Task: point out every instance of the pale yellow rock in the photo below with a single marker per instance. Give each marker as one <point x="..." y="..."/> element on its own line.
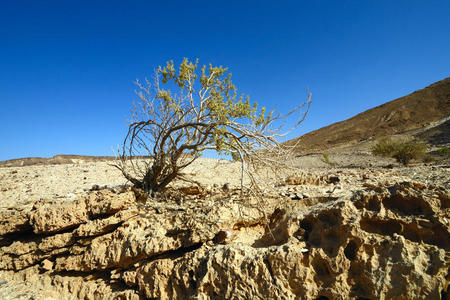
<point x="106" y="202"/>
<point x="55" y="216"/>
<point x="46" y="265"/>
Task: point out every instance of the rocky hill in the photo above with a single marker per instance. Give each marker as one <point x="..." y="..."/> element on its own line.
<point x="411" y="112"/>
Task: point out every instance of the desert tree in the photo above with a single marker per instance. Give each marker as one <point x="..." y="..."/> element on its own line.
<point x="187" y="110"/>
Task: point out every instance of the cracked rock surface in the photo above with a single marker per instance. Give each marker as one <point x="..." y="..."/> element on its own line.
<point x="334" y="234"/>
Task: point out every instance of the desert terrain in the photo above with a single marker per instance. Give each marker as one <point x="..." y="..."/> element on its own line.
<point x="76" y="231"/>
<point x="356" y="226"/>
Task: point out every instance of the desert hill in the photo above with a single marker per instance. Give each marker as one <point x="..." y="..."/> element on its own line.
<point x="411" y="112"/>
<point x="55" y="160"/>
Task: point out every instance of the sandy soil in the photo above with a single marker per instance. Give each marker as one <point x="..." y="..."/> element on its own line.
<point x="22" y="185"/>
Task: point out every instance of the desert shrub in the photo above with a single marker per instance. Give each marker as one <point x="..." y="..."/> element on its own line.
<point x="402" y="150"/>
<point x="188" y="110"/>
<point x="444" y="151"/>
<point x="385" y="147"/>
<point x="326" y="158"/>
<point x="409" y="150"/>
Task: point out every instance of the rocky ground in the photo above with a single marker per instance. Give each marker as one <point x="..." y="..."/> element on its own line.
<point x="359" y="228"/>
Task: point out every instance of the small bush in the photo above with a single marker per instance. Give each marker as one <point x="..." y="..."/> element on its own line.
<point x="402" y="151"/>
<point x="444" y="151"/>
<point x="385" y="147"/>
<point x="326" y="158"/>
<point x="408" y="151"/>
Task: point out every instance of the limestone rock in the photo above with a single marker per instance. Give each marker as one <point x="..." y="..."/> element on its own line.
<point x="56" y="216"/>
<point x="56" y="241"/>
<point x="106" y="202"/>
<point x="14" y="220"/>
<point x="378" y="241"/>
<point x="46" y="265"/>
<point x="102" y="226"/>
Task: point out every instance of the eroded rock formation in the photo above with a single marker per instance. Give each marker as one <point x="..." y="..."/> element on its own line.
<point x="377" y="242"/>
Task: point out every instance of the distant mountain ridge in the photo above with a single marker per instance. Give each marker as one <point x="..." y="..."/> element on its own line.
<point x="55" y="160"/>
<point x="410" y="112"/>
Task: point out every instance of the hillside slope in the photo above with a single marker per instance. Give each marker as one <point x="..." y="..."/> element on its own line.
<point x="410" y="112"/>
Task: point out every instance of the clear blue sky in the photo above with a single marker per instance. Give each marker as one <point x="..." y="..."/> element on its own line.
<point x="67" y="67"/>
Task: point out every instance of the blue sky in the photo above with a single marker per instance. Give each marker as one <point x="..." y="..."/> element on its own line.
<point x="67" y="67"/>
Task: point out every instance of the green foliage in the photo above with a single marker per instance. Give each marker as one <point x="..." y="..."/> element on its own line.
<point x="385" y="147"/>
<point x="408" y="151"/>
<point x="402" y="151"/>
<point x="326" y="158"/>
<point x="217" y="104"/>
<point x="444" y="151"/>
